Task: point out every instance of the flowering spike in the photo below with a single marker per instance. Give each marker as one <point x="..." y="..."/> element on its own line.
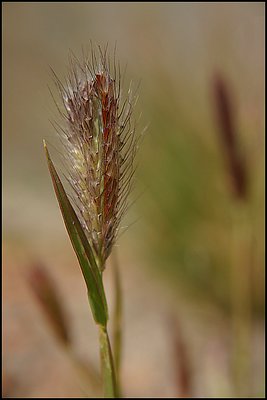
<point x="100" y="146"/>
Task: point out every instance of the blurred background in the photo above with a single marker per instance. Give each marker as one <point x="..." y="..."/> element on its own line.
<point x="192" y="264"/>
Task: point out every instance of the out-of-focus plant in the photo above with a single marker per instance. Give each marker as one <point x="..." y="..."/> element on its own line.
<point x="240" y="282"/>
<point x="208" y="202"/>
<point x="181" y="361"/>
<point x="229" y="139"/>
<point x="45" y="292"/>
<point x="190" y="201"/>
<point x="99" y="142"/>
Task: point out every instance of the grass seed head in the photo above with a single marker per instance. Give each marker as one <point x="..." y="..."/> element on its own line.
<point x="45" y="292"/>
<point x="100" y="143"/>
<point x="229" y="137"/>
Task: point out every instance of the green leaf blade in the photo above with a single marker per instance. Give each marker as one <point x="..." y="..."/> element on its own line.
<point x="82" y="248"/>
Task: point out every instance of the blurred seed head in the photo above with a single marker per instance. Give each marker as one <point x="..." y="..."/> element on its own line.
<point x="46" y="294"/>
<point x="100" y="142"/>
<point x="182" y="369"/>
<point x="229" y="136"/>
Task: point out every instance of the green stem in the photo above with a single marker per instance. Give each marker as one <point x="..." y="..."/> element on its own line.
<point x="117" y="318"/>
<point x="107" y="365"/>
